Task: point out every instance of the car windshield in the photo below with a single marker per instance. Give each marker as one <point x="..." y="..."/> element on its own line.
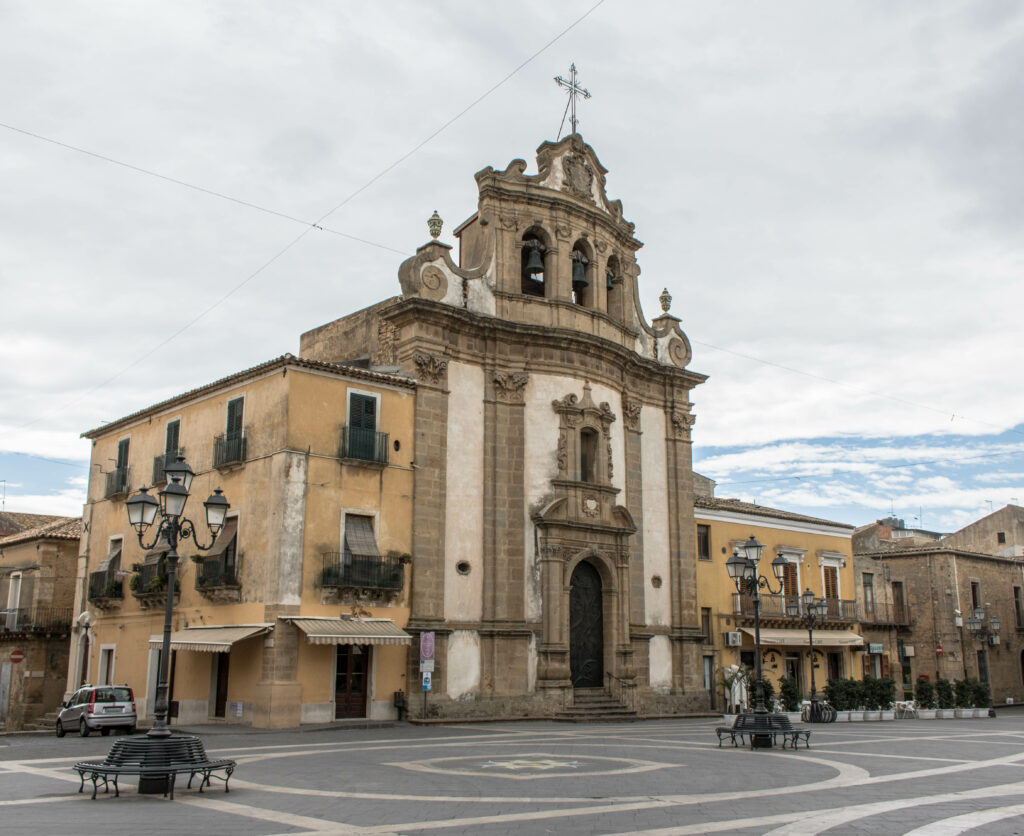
<point x="113" y="695"/>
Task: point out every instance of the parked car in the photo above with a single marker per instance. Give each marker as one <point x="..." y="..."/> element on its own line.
<point x="98" y="707"/>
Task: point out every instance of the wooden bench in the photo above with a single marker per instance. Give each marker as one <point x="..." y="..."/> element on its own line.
<point x="776" y="725"/>
<point x="154" y="758"/>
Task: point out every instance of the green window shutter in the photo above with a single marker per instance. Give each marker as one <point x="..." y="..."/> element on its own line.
<point x="234" y="428"/>
<point x="122" y="454"/>
<point x="171" y="445"/>
<point x="362" y="412"/>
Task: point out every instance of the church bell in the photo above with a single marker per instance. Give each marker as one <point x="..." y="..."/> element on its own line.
<point x="579" y="272"/>
<point x="534" y="262"/>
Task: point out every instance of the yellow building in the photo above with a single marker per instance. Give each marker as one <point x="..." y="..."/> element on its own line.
<point x="295" y="613"/>
<point x="818" y="557"/>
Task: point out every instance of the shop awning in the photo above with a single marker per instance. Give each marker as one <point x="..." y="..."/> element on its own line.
<point x="212" y="639"/>
<point x="798" y="638"/>
<point x="351" y="631"/>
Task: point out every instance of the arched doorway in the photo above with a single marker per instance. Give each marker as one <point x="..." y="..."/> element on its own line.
<point x="586" y="628"/>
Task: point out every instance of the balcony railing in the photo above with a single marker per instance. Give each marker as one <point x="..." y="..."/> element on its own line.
<point x="341" y="569"/>
<point x="775" y="607"/>
<point x="215" y="573"/>
<point x="366" y="445"/>
<point x="160" y="464"/>
<point x="229" y="449"/>
<point x="39" y="620"/>
<point x="117" y="482"/>
<point x="149" y="578"/>
<point x="103" y="585"/>
<point x="882" y="612"/>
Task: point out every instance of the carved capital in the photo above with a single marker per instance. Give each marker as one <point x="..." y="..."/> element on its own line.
<point x="682" y="423"/>
<point x="429" y="367"/>
<point x="509" y="386"/>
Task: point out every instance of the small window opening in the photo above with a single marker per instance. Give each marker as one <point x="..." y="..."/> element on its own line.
<point x="1000" y="537"/>
<point x="588" y="455"/>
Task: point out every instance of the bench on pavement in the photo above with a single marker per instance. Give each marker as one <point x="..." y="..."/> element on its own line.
<point x="776" y="725"/>
<point x="162" y="759"/>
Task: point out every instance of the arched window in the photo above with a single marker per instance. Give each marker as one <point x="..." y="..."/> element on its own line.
<point x="532" y="265"/>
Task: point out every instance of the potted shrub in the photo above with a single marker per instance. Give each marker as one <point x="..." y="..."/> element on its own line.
<point x="980" y="697"/>
<point x="789" y="693"/>
<point x="871" y="698"/>
<point x="944" y="694"/>
<point x="963" y="695"/>
<point x="924" y="693"/>
<point x="886" y="696"/>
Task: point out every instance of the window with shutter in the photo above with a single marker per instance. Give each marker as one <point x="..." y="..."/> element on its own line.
<point x="171" y="441"/>
<point x="234" y="425"/>
<point x="362" y="427"/>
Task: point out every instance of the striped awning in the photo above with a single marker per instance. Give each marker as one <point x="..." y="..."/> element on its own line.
<point x="351" y="631"/>
<point x="212" y="639"/>
<point x="798" y="638"/>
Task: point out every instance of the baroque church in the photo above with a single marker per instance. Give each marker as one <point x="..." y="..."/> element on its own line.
<point x="553" y="537"/>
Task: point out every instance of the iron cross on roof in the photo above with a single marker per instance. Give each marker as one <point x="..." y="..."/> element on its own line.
<point x="573" y="89"/>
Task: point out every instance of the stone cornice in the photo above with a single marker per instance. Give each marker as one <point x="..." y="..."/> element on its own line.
<point x="631" y="365"/>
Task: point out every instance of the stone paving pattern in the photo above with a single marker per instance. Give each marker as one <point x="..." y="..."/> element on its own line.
<point x="928" y="778"/>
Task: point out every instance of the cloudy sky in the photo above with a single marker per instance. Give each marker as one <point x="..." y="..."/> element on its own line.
<point x="832" y="192"/>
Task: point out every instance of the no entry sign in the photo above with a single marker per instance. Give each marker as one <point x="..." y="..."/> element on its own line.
<point x="17" y="655"/>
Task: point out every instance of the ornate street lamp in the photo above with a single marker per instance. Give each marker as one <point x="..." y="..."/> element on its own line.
<point x="744" y="573"/>
<point x="986" y="634"/>
<point x="142" y="512"/>
<point x="812" y="612"/>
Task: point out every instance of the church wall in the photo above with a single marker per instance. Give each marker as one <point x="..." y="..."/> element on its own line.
<point x="660" y="653"/>
<point x="463" y="668"/>
<point x="657" y="602"/>
<point x="463" y="593"/>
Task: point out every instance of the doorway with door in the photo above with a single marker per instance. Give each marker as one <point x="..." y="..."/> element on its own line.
<point x="351" y="678"/>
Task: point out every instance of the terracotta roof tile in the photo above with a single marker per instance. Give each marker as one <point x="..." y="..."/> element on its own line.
<point x="58" y="528"/>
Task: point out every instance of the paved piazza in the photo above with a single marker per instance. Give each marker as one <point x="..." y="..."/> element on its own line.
<point x="926" y="777"/>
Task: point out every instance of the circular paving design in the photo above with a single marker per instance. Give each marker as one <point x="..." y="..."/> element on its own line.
<point x="524" y="766"/>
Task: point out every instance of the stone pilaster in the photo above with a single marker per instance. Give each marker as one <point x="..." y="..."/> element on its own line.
<point x="429" y="488"/>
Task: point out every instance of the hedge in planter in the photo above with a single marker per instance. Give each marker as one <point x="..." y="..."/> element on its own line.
<point x="789" y="693"/>
<point x="924" y="693"/>
<point x="944" y="692"/>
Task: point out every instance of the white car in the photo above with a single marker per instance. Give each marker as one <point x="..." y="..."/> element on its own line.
<point x="98" y="708"/>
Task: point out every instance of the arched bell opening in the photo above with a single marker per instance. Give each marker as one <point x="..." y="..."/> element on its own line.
<point x="613" y="285"/>
<point x="532" y="263"/>
<point x="583" y="274"/>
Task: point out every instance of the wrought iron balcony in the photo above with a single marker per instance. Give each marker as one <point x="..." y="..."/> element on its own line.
<point x="161" y="462"/>
<point x="39" y="620"/>
<point x="104" y="585"/>
<point x="365" y="445"/>
<point x="215" y="573"/>
<point x="117" y="482"/>
<point x="776" y="607"/>
<point x="882" y="612"/>
<point x="229" y="449"/>
<point x="344" y="569"/>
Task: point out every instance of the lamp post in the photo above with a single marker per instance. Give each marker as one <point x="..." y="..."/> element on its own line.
<point x="986" y="634"/>
<point x="173" y="526"/>
<point x="744" y="573"/>
<point x="814" y="612"/>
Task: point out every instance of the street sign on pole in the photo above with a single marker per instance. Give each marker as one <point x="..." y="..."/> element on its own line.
<point x="17" y="656"/>
<point x="427" y="645"/>
<point x="426" y="680"/>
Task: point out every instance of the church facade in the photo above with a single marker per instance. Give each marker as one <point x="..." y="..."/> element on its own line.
<point x="553" y="536"/>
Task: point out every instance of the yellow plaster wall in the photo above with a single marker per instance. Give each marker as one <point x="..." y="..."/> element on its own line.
<point x="715" y="589"/>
